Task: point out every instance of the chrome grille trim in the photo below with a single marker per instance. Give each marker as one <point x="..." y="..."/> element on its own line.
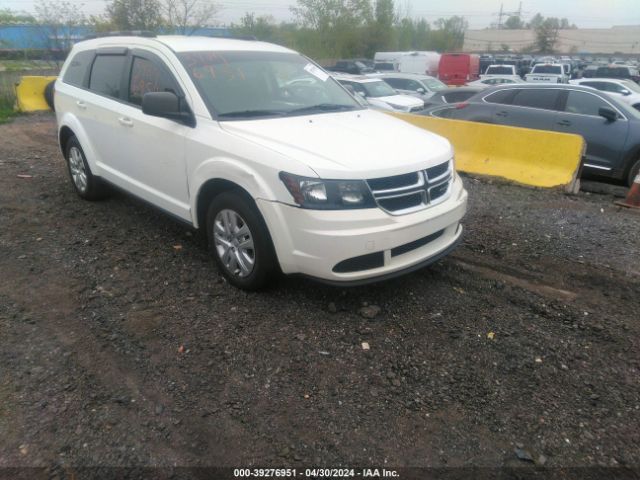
<point x="423" y="187"/>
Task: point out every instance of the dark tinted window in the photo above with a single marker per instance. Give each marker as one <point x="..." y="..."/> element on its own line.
<point x="584" y="103"/>
<point x="106" y="75"/>
<point x="444" y="112"/>
<point x="500" y="70"/>
<point x="147" y="77"/>
<point x="501" y="96"/>
<point x="613" y="72"/>
<point x="536" y="98"/>
<point x="400" y="83"/>
<point x="455" y="97"/>
<point x="77" y="69"/>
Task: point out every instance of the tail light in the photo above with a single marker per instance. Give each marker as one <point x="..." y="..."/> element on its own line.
<point x="461" y="105"/>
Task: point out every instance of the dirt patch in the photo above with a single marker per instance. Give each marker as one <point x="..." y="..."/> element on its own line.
<point x="121" y="350"/>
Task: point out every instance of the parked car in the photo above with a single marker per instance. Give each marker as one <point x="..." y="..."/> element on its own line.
<point x="459" y="68"/>
<point x="354" y="67"/>
<point x="590" y="71"/>
<point x="610" y="127"/>
<point x="208" y="130"/>
<point x="547" y="73"/>
<point x="626" y="91"/>
<point x="421" y="63"/>
<point x="452" y="95"/>
<point x="619" y="71"/>
<point x="492" y="81"/>
<point x="419" y="86"/>
<point x="379" y="94"/>
<point x="502" y="71"/>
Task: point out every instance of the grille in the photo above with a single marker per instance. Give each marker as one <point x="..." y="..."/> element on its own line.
<point x="411" y="192"/>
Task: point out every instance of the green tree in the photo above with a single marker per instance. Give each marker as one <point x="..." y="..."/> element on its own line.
<point x="514" y="23"/>
<point x="547" y="35"/>
<point x="9" y="17"/>
<point x="134" y="15"/>
<point x="338" y="27"/>
<point x="186" y="16"/>
<point x="57" y="20"/>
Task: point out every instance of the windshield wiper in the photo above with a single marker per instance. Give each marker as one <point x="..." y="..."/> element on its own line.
<point x="251" y="113"/>
<point x="322" y="107"/>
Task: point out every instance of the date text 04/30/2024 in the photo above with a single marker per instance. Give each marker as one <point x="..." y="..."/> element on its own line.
<point x="314" y="473"/>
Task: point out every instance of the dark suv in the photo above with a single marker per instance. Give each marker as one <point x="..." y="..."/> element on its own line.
<point x="610" y="128"/>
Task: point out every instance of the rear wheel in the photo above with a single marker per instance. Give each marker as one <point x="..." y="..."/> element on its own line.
<point x="49" y="93"/>
<point x="240" y="241"/>
<point x="86" y="185"/>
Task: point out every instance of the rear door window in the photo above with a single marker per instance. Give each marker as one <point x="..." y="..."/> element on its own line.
<point x="76" y="72"/>
<point x="147" y="76"/>
<point x="106" y="75"/>
<point x="545" y="99"/>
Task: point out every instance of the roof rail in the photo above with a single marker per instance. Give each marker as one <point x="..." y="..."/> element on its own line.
<point x="128" y="33"/>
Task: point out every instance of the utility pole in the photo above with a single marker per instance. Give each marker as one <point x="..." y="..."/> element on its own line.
<point x="500" y="17"/>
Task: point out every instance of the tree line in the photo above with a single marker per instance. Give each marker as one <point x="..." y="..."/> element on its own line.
<point x="324" y="29"/>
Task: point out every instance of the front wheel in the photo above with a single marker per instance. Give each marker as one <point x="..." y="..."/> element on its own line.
<point x="240" y="241"/>
<point x="86" y="184"/>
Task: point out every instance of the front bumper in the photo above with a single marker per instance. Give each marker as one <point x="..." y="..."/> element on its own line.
<point x="319" y="243"/>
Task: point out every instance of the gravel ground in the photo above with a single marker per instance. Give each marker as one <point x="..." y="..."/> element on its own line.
<point x="123" y="346"/>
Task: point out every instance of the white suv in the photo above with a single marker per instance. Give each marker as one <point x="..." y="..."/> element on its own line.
<point x="261" y="148"/>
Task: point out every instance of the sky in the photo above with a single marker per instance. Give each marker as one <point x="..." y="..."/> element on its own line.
<point x="479" y="13"/>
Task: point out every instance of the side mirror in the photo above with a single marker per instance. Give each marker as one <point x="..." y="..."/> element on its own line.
<point x="625" y="92"/>
<point x="166" y="105"/>
<point x="421" y="90"/>
<point x="609" y="114"/>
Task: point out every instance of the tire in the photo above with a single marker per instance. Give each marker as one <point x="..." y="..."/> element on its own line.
<point x="49" y="92"/>
<point x="233" y="220"/>
<point x="633" y="172"/>
<point x="86" y="185"/>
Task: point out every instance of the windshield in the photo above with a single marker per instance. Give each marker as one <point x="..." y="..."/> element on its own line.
<point x="500" y="70"/>
<point x="434" y="85"/>
<point x="631" y="85"/>
<point x="616" y="72"/>
<point x="555" y="69"/>
<point x="250" y="84"/>
<point x="378" y="89"/>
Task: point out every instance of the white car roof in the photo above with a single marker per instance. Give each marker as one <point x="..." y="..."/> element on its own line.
<point x="183" y="43"/>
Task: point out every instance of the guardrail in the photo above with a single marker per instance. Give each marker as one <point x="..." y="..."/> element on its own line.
<point x="30" y="93"/>
<point x="537" y="158"/>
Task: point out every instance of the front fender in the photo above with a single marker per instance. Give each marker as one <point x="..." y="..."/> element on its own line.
<point x="230" y="170"/>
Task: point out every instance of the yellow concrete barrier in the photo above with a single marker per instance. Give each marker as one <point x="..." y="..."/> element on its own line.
<point x="30" y="93"/>
<point x="531" y="157"/>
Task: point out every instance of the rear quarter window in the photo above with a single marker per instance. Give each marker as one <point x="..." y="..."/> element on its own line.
<point x="76" y="72"/>
<point x="503" y="97"/>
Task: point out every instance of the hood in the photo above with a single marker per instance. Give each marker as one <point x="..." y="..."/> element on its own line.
<point x="406" y="101"/>
<point x="347" y="145"/>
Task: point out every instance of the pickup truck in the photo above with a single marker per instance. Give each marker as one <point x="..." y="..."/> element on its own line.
<point x="503" y="71"/>
<point x="547" y="73"/>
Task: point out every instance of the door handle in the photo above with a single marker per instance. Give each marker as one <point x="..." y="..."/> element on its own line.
<point x="81" y="105"/>
<point x="502" y="114"/>
<point x="564" y="123"/>
<point x="127" y="122"/>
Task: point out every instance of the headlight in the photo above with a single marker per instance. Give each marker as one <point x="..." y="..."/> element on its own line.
<point x="321" y="194"/>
